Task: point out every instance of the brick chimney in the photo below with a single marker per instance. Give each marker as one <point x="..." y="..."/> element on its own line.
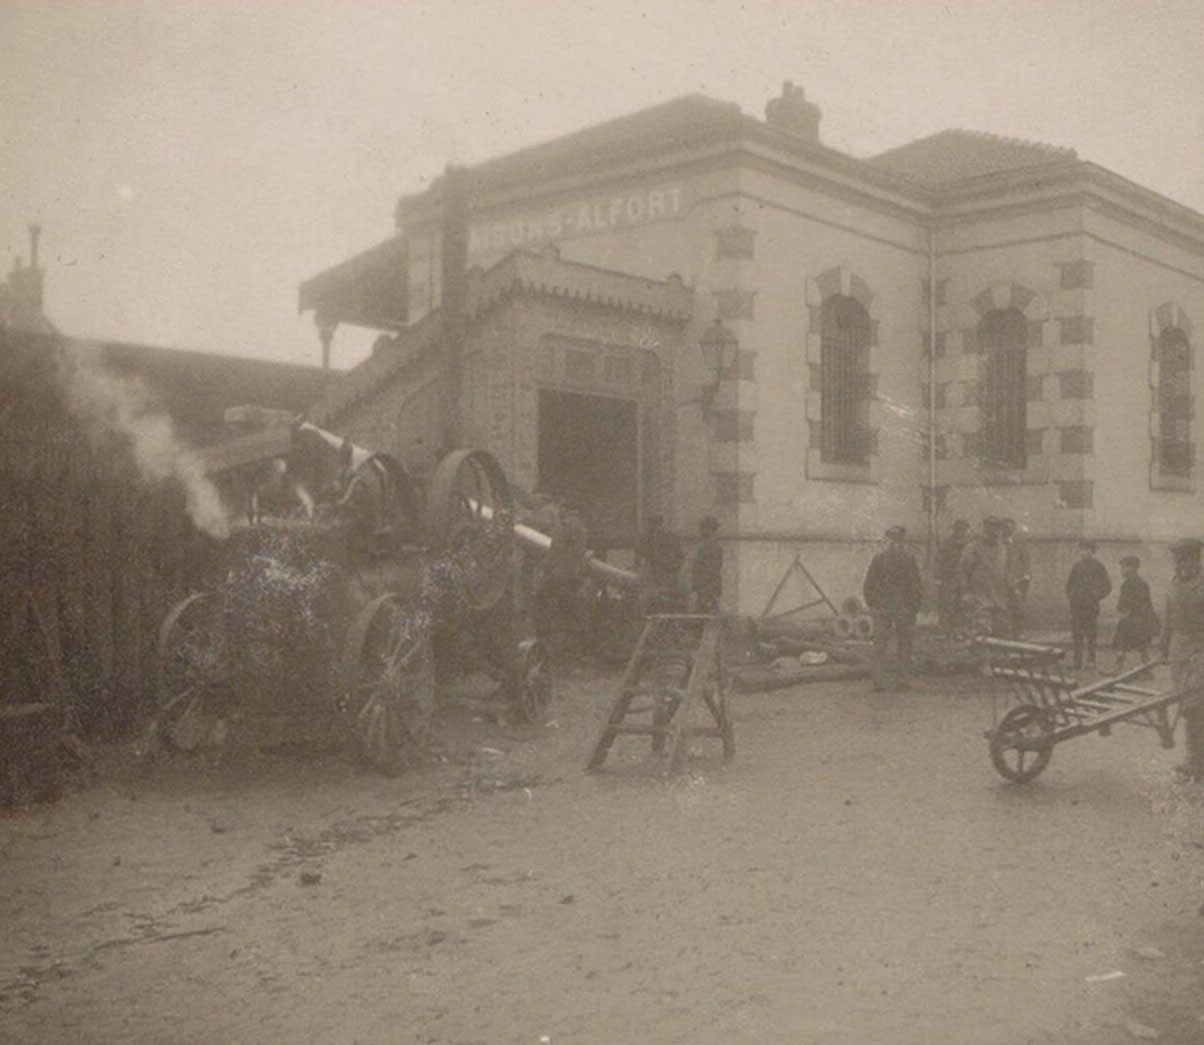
<point x="792" y="113"/>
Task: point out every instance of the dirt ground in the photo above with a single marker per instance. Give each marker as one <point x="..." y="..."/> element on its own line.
<point x="858" y="874"/>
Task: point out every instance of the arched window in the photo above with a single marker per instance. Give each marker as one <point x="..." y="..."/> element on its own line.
<point x="1003" y="339"/>
<point x="1174" y="402"/>
<point x="844" y="365"/>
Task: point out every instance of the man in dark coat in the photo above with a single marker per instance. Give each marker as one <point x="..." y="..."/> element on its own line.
<point x="1138" y="624"/>
<point x="948" y="575"/>
<point x="706" y="568"/>
<point x="892" y="591"/>
<point x="1086" y="587"/>
<point x="662" y="558"/>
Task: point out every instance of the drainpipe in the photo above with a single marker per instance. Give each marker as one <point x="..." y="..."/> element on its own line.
<point x="932" y="395"/>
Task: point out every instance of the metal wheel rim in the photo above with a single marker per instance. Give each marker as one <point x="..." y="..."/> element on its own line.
<point x="1020" y="764"/>
<point x="192" y="664"/>
<point x="389" y="695"/>
<point x="469" y="509"/>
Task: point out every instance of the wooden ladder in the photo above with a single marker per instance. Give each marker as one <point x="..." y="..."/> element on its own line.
<point x="678" y="660"/>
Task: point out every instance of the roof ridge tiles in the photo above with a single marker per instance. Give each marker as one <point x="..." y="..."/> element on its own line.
<point x="1011" y="139"/>
<point x="973" y="133"/>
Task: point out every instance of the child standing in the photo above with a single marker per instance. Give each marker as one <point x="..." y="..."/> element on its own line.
<point x="1138" y="624"/>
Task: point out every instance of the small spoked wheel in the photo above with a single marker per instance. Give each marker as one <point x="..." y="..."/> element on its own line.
<point x="193" y="682"/>
<point x="388" y="682"/>
<point x="1022" y="743"/>
<point x="533" y="685"/>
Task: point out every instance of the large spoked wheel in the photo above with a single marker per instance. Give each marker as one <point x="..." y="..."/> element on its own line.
<point x="533" y="685"/>
<point x="389" y="682"/>
<point x="1022" y="743"/>
<point x="469" y="518"/>
<point x="194" y="683"/>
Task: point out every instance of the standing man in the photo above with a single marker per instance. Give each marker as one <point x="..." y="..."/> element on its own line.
<point x="1182" y="646"/>
<point x="706" y="569"/>
<point x="564" y="570"/>
<point x="948" y="558"/>
<point x="1019" y="575"/>
<point x="984" y="585"/>
<point x="662" y="558"/>
<point x="1086" y="587"/>
<point x="892" y="591"/>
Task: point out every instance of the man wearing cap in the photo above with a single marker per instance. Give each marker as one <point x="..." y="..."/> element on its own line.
<point x="1086" y="587"/>
<point x="984" y="586"/>
<point x="892" y="591"/>
<point x="948" y="558"/>
<point x="706" y="568"/>
<point x="1182" y="645"/>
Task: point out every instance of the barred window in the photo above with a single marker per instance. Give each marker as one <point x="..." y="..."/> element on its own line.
<point x="1174" y="402"/>
<point x="844" y="369"/>
<point x="1003" y="339"/>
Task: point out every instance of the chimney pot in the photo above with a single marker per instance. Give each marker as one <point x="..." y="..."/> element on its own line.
<point x="792" y="113"/>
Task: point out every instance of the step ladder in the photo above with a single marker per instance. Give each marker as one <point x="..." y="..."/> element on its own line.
<point x="678" y="661"/>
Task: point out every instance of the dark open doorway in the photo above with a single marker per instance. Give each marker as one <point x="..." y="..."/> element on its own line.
<point x="589" y="451"/>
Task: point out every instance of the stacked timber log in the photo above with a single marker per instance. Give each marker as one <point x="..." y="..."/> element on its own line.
<point x="784" y="652"/>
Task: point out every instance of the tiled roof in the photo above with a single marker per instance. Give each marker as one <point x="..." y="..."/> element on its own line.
<point x="955" y="155"/>
<point x="670" y="125"/>
<point x="366" y="290"/>
<point x="193" y="388"/>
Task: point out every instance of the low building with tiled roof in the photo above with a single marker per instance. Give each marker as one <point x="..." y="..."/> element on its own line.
<point x="964" y="325"/>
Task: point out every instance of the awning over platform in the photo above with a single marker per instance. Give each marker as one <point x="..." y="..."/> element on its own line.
<point x="368" y="290"/>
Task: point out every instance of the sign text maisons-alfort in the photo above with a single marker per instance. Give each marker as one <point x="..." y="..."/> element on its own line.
<point x="619" y="211"/>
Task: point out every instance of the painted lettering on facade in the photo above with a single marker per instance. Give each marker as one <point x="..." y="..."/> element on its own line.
<point x="604" y="214"/>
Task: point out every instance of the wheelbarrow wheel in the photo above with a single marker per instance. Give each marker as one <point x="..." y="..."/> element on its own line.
<point x="533" y="686"/>
<point x="1022" y="744"/>
<point x="193" y="684"/>
<point x="388" y="683"/>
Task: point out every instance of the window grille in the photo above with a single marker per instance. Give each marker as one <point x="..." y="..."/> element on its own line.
<point x="1003" y="339"/>
<point x="844" y="381"/>
<point x="1174" y="402"/>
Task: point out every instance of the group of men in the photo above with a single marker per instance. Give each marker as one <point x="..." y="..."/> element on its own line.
<point x="983" y="587"/>
<point x="556" y="587"/>
<point x="661" y="558"/>
<point x="983" y="581"/>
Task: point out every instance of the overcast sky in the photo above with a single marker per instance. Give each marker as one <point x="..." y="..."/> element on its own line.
<point x="192" y="161"/>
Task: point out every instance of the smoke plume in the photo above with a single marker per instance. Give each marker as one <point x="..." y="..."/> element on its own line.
<point x="106" y="403"/>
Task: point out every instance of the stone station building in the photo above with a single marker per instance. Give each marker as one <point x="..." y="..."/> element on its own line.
<point x="961" y="326"/>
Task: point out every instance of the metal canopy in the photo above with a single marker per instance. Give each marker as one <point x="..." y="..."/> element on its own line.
<point x="368" y="290"/>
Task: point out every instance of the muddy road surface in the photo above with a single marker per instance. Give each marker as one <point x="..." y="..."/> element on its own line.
<point x="858" y="874"/>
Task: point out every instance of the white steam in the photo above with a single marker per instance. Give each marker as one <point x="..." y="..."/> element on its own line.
<point x="106" y="403"/>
